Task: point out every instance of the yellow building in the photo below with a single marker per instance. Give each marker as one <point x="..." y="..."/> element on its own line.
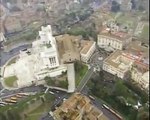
<point x="78" y="107"/>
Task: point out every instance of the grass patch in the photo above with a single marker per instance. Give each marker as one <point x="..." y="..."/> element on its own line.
<point x="117" y="95"/>
<point x="80" y="72"/>
<point x="27" y="103"/>
<point x="61" y="82"/>
<point x="35" y="114"/>
<point x="20" y="106"/>
<point x="145" y="32"/>
<point x="9" y="81"/>
<point x="43" y="108"/>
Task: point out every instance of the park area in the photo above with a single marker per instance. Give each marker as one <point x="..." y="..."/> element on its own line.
<point x="10" y="81"/>
<point x="80" y="71"/>
<point x="120" y="95"/>
<point x="59" y="81"/>
<point x="42" y="109"/>
<point x="145" y="32"/>
<point x="30" y="108"/>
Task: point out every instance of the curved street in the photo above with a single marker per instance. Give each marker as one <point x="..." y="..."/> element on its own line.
<point x="5" y="56"/>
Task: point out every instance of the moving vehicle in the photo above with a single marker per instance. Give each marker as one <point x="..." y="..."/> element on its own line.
<point x="13" y="98"/>
<point x="112" y="111"/>
<point x="19" y="96"/>
<point x="23" y="94"/>
<point x="51" y="92"/>
<point x="92" y="97"/>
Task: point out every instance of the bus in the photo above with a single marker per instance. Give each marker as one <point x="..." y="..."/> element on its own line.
<point x="10" y="101"/>
<point x="7" y="100"/>
<point x="13" y="101"/>
<point x="13" y="98"/>
<point x="51" y="92"/>
<point x="23" y="94"/>
<point x="92" y="97"/>
<point x="3" y="103"/>
<point x="19" y="96"/>
<point x="112" y="111"/>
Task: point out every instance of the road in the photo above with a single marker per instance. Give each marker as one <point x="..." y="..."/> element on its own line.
<point x="5" y="56"/>
<point x="110" y="115"/>
<point x="59" y="95"/>
<point x="85" y="79"/>
<point x="6" y="93"/>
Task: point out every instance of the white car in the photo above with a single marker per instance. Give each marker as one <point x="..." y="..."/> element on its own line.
<point x="64" y="99"/>
<point x="51" y="92"/>
<point x="51" y="113"/>
<point x="57" y="91"/>
<point x="100" y="58"/>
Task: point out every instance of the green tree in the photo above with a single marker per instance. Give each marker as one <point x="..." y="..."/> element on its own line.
<point x="13" y="115"/>
<point x="120" y="89"/>
<point x="63" y="84"/>
<point x="143" y="95"/>
<point x="2" y="116"/>
<point x="143" y="116"/>
<point x="49" y="97"/>
<point x="101" y="75"/>
<point x="32" y="101"/>
<point x="78" y="66"/>
<point x="42" y="99"/>
<point x="49" y="81"/>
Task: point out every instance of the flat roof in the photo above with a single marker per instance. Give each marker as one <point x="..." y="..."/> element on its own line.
<point x="137" y="47"/>
<point x="117" y="34"/>
<point x="86" y="47"/>
<point x="71" y="108"/>
<point x="135" y="53"/>
<point x="117" y="60"/>
<point x="68" y="46"/>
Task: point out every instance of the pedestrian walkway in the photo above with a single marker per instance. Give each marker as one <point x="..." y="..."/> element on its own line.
<point x="71" y="77"/>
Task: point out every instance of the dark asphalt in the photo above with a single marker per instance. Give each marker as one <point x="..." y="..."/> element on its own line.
<point x="5" y="56"/>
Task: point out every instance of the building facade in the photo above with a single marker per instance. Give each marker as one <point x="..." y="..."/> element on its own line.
<point x="78" y="107"/>
<point x="38" y="62"/>
<point x="134" y="61"/>
<point x="117" y="64"/>
<point x="108" y="40"/>
<point x="87" y="51"/>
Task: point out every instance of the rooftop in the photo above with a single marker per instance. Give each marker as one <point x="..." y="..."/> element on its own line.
<point x="68" y="47"/>
<point x="117" y="34"/>
<point x="139" y="52"/>
<point x="117" y="60"/>
<point x="86" y="47"/>
<point x="136" y="54"/>
<point x="78" y="106"/>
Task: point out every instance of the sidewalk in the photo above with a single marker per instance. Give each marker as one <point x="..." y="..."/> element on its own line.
<point x="2" y="74"/>
<point x="71" y="77"/>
